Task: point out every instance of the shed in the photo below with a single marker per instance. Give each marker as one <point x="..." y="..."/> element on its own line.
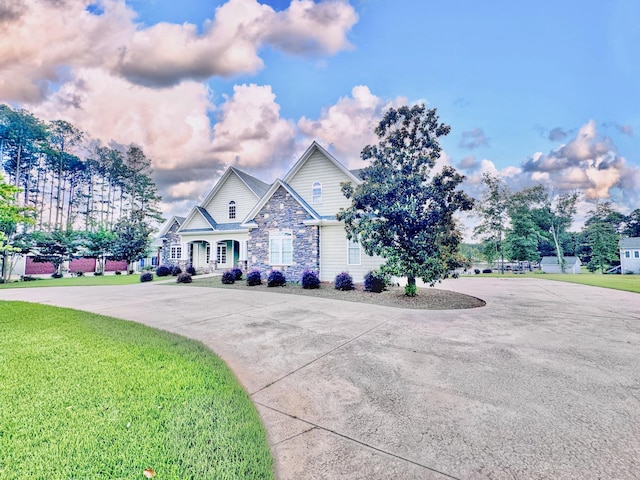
<point x="551" y="265"/>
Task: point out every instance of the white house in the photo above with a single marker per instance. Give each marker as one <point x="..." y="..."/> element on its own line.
<point x="289" y="225"/>
<point x="551" y="265"/>
<point x="630" y="255"/>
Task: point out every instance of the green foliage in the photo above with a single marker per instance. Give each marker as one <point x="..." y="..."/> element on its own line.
<point x="410" y="290"/>
<point x="493" y="213"/>
<point x="600" y="237"/>
<point x="87" y="396"/>
<point x="132" y="238"/>
<point x="55" y="247"/>
<point x="403" y="211"/>
<point x="632" y="224"/>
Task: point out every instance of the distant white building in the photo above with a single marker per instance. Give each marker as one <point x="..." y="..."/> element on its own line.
<point x="551" y="265"/>
<point x="630" y="255"/>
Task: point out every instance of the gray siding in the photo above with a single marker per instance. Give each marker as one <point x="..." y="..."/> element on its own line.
<point x="333" y="256"/>
<point x="320" y="168"/>
<point x="232" y="189"/>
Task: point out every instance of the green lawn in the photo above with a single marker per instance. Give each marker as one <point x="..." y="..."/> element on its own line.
<point x="85" y="280"/>
<point x="628" y="283"/>
<point x="88" y="396"/>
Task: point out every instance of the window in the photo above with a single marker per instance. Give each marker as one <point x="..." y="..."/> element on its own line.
<point x="232" y="210"/>
<point x="353" y="253"/>
<point x="316" y="192"/>
<point x="222" y="253"/>
<point x="636" y="254"/>
<point x="627" y="254"/>
<point x="208" y="252"/>
<point x="176" y="252"/>
<point x="280" y="248"/>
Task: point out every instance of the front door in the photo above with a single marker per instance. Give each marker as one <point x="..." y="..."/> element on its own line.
<point x="221" y="255"/>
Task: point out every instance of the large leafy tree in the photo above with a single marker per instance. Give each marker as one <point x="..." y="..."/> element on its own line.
<point x="56" y="247"/>
<point x="632" y="224"/>
<point x="494" y="218"/>
<point x="11" y="215"/>
<point x="403" y="210"/>
<point x="600" y="236"/>
<point x="553" y="213"/>
<point x="132" y="238"/>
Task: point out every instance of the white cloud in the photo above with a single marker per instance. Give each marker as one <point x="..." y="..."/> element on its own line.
<point x="46" y="41"/>
<point x="348" y="125"/>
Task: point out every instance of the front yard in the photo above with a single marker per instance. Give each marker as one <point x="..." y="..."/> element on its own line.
<point x="87" y="396"/>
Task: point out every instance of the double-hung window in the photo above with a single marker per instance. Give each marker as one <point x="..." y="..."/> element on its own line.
<point x="627" y="254"/>
<point x="636" y="254"/>
<point x="354" y="253"/>
<point x="280" y="248"/>
<point x="176" y="252"/>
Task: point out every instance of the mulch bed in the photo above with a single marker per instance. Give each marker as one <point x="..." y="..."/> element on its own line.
<point x="426" y="299"/>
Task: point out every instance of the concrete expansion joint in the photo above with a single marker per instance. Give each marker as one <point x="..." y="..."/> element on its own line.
<point x="315" y="426"/>
<point x="311" y="362"/>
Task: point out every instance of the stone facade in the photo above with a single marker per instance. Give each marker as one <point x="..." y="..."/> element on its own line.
<point x="283" y="213"/>
<point x="171" y="238"/>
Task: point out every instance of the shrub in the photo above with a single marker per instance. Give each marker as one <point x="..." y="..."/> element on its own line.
<point x="130" y="272"/>
<point x="98" y="274"/>
<point x="237" y="273"/>
<point x="28" y="278"/>
<point x="191" y="271"/>
<point x="310" y="280"/>
<point x="276" y="279"/>
<point x="56" y="275"/>
<point x="228" y="277"/>
<point x="476" y="271"/>
<point x="410" y="290"/>
<point x="254" y="278"/>
<point x="374" y="282"/>
<point x="343" y="281"/>
<point x="184" y="278"/>
<point x="487" y="270"/>
<point x="118" y="272"/>
<point x="175" y="271"/>
<point x="146" y="277"/>
<point x="163" y="271"/>
<point x="78" y="273"/>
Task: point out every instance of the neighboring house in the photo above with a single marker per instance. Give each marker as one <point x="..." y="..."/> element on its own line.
<point x="289" y="225"/>
<point x="551" y="265"/>
<point x="630" y="255"/>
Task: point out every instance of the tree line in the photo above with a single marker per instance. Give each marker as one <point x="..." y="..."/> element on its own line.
<point x="65" y="194"/>
<point x="533" y="222"/>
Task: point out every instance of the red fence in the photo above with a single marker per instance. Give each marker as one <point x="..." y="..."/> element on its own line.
<point x="34" y="268"/>
<point x="85" y="265"/>
<point x="115" y="265"/>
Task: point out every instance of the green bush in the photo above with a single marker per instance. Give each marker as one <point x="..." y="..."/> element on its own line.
<point x="146" y="277"/>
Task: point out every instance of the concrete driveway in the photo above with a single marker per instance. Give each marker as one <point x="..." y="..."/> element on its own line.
<point x="543" y="382"/>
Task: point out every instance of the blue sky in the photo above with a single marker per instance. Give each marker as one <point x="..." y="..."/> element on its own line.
<point x="541" y="91"/>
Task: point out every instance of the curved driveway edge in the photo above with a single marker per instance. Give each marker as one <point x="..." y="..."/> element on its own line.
<point x="543" y="382"/>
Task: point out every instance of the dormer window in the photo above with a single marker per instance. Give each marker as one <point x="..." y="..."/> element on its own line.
<point x="232" y="210"/>
<point x="316" y="192"/>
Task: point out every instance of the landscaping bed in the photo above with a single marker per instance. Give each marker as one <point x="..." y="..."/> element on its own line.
<point x="426" y="299"/>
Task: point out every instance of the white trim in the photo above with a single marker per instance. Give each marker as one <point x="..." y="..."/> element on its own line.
<point x="279" y="238"/>
<point x="316" y="199"/>
<point x="221" y="182"/>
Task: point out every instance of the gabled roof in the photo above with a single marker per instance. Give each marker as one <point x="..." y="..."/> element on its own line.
<point x="204" y="214"/>
<point x="554" y="260"/>
<point x="265" y="198"/>
<point x="257" y="187"/>
<point x="630" y="242"/>
<point x="316" y="147"/>
<point x="169" y="223"/>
